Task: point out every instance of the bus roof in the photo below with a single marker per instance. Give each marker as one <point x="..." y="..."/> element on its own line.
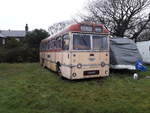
<point x="77" y="28"/>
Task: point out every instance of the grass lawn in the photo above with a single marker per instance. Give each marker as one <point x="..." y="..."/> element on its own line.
<point x="28" y="88"/>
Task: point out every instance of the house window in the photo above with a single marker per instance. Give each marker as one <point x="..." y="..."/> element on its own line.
<point x="18" y="39"/>
<point x="3" y="41"/>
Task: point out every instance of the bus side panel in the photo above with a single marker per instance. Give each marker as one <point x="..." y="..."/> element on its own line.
<point x="65" y="66"/>
<point x="59" y="57"/>
<point x="42" y="59"/>
<point x="48" y="59"/>
<point x="53" y="61"/>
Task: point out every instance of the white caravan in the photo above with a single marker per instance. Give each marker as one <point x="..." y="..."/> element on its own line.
<point x="144" y="48"/>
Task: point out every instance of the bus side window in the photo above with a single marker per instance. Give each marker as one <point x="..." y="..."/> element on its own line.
<point x="65" y="42"/>
<point x="42" y="46"/>
<point x="58" y="43"/>
<point x="46" y="45"/>
<point x="55" y="42"/>
<point x="50" y="45"/>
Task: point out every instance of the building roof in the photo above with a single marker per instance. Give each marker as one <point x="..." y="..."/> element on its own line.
<point x="2" y="36"/>
<point x="13" y="33"/>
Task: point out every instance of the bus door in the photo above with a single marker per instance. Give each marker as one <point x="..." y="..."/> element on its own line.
<point x="66" y="57"/>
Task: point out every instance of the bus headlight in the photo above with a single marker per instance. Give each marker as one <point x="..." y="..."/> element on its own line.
<point x="74" y="74"/>
<point x="79" y="65"/>
<point x="103" y="64"/>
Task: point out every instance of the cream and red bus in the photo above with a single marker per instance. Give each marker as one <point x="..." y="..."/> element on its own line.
<point x="79" y="51"/>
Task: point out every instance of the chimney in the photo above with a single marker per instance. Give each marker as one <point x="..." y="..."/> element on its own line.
<point x="26" y="28"/>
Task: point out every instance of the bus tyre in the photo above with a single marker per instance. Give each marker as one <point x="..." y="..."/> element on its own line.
<point x="42" y="63"/>
<point x="58" y="71"/>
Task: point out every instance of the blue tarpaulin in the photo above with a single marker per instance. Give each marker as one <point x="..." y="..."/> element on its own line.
<point x="139" y="66"/>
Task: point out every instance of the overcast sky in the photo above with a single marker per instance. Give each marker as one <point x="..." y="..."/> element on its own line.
<point x="14" y="14"/>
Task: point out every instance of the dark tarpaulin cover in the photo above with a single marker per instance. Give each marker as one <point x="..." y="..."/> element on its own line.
<point x="123" y="51"/>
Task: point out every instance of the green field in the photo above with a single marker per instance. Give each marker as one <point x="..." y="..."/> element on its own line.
<point x="28" y="88"/>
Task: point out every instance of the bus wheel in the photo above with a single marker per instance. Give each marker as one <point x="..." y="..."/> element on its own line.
<point x="58" y="71"/>
<point x="42" y="63"/>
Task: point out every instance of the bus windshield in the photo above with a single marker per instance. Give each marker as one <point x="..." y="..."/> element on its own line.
<point x="81" y="42"/>
<point x="100" y="43"/>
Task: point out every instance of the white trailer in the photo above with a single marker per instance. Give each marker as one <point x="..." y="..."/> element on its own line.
<point x="144" y="49"/>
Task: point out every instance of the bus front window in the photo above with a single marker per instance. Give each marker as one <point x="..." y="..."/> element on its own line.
<point x="81" y="42"/>
<point x="100" y="43"/>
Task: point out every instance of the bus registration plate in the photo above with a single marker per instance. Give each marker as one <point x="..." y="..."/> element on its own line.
<point x="91" y="72"/>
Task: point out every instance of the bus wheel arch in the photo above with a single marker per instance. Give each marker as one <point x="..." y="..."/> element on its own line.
<point x="58" y="70"/>
<point x="42" y="62"/>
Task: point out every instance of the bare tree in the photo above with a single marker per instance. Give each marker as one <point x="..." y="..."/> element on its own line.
<point x="120" y="17"/>
<point x="58" y="27"/>
<point x="145" y="35"/>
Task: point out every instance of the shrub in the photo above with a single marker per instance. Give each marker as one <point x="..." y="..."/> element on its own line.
<point x="23" y="51"/>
